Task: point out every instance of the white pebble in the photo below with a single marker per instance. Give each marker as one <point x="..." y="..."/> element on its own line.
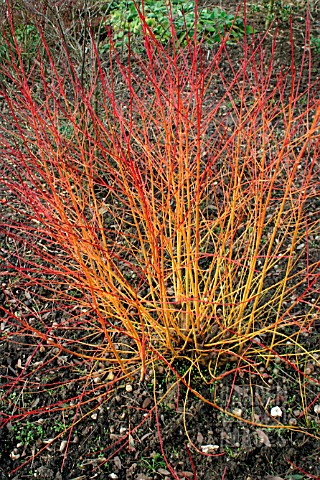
<point x="209" y="448"/>
<point x="316" y="409"/>
<point x="276" y="412"/>
<point x="63" y="445"/>
<point x="237" y="412"/>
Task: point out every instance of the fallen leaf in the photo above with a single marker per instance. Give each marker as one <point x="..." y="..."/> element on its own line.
<point x="163" y="471"/>
<point x="103" y="209"/>
<point x="199" y="437"/>
<point x="271" y="477"/>
<point x="35" y="403"/>
<point x="263" y="437"/>
<point x="238" y="389"/>
<point x="146" y="402"/>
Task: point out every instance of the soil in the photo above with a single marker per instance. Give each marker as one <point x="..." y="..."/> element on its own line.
<point x="136" y="435"/>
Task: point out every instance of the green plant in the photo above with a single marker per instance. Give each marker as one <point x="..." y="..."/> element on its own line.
<point x="231" y="452"/>
<point x="154" y="463"/>
<point x="207" y="201"/>
<point x="315" y="43"/>
<point x="281" y="10"/>
<point x="27" y="39"/>
<point x="211" y="24"/>
<point x="59" y="427"/>
<point x="255" y="7"/>
<point x="28" y="432"/>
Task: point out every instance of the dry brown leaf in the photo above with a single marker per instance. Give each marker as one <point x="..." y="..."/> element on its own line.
<point x="117" y="462"/>
<point x="186" y="474"/>
<point x="146" y="402"/>
<point x="263" y="437"/>
<point x="199" y="437"/>
<point x="271" y="477"/>
<point x="163" y="471"/>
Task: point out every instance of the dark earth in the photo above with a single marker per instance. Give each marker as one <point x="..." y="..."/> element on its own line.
<point x="129" y="436"/>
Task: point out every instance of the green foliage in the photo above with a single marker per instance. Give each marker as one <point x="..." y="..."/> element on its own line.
<point x="29" y="432"/>
<point x="212" y="24"/>
<point x="27" y="39"/>
<point x="315" y="43"/>
<point x="276" y="10"/>
<point x="26" y="36"/>
<point x="59" y="427"/>
<point x="155" y="462"/>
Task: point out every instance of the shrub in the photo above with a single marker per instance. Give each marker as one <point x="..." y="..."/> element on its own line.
<point x="165" y="211"/>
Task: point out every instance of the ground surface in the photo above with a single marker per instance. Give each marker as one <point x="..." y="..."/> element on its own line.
<point x="129" y="419"/>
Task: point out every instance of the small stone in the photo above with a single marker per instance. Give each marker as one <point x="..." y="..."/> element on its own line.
<point x="237" y="412"/>
<point x="129" y="388"/>
<point x="310" y="367"/>
<point x="110" y="376"/>
<point x="63" y="445"/>
<point x="293" y="421"/>
<point x="276" y="412"/>
<point x="94" y="416"/>
<point x="14" y="456"/>
<point x="316" y="409"/>
<point x="209" y="448"/>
